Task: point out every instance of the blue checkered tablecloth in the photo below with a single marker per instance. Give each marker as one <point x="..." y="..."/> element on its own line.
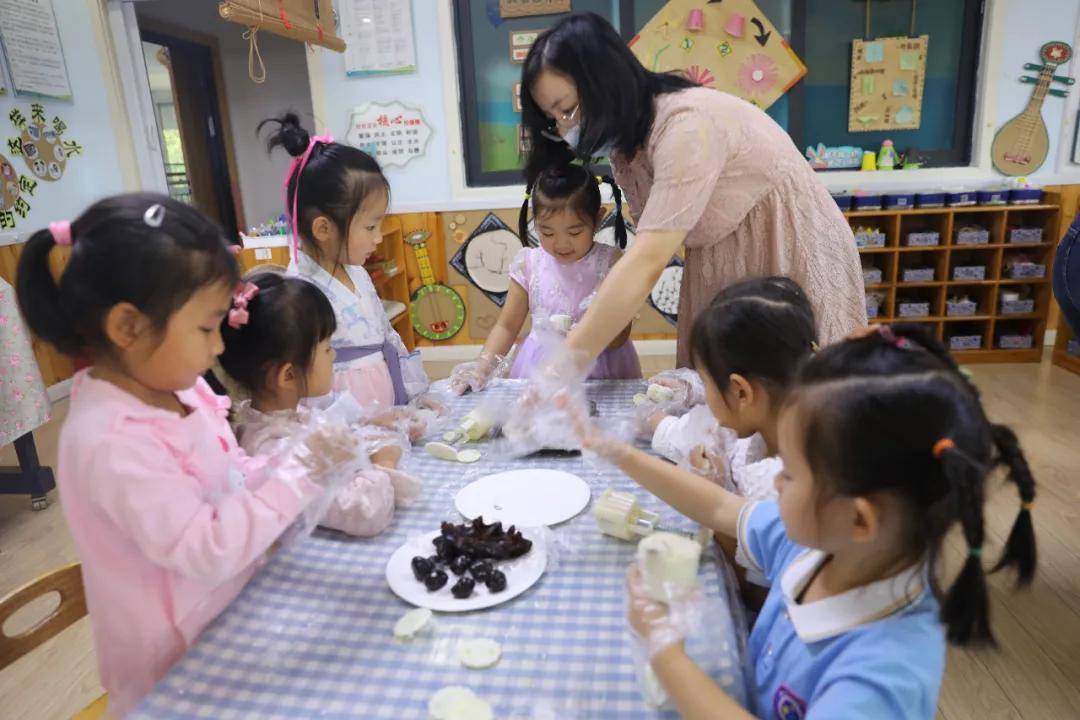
<point x="312" y="634"/>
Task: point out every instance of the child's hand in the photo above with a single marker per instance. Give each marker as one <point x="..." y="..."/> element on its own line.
<point x="327" y="448"/>
<point x="704" y="461"/>
<point x="649" y="620"/>
<point x="473" y="375"/>
<point x="591" y="437"/>
<point x="685" y="383"/>
<point x="387" y="457"/>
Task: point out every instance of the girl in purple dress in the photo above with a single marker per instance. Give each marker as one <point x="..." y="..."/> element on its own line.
<point x="555" y="283"/>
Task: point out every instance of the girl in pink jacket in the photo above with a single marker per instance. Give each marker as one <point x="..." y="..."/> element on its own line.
<point x="170" y="517"/>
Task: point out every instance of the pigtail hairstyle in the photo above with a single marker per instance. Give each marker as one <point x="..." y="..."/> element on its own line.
<point x="523" y="215"/>
<point x="568" y="185"/>
<point x="334" y="182"/>
<point x="891" y="412"/>
<point x="616" y="197"/>
<point x="1020" y="547"/>
<point x="142" y="248"/>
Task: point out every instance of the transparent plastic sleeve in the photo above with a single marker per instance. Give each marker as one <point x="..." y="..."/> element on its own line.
<point x="685" y="384"/>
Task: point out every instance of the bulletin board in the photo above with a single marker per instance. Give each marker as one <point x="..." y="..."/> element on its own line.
<point x="730" y="46"/>
<point x="887" y="80"/>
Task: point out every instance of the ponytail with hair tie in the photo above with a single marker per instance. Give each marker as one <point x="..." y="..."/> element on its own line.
<point x="523" y="214"/>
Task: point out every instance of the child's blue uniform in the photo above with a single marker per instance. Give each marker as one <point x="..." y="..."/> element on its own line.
<point x="876" y="652"/>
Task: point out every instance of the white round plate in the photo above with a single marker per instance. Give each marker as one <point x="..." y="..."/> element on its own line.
<point x="534" y="497"/>
<point x="521" y="574"/>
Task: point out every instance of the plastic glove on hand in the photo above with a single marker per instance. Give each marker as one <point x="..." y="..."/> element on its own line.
<point x="650" y="621"/>
<point x="685" y="384"/>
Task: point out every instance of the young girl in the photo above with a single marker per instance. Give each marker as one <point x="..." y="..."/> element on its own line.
<point x="747" y="344"/>
<point x="277" y="347"/>
<point x="885" y="447"/>
<point x="168" y="515"/>
<point x="336" y="197"/>
<point x="555" y="282"/>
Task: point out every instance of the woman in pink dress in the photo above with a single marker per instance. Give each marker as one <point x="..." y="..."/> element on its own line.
<point x="702" y="171"/>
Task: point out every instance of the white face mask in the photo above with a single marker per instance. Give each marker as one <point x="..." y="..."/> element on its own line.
<point x="572" y="136"/>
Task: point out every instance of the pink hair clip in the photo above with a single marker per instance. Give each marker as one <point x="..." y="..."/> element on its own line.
<point x="61" y="232"/>
<point x="238" y="316"/>
<point x="887" y="334"/>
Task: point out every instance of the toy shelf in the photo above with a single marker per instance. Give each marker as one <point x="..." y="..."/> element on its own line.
<point x="919" y="282"/>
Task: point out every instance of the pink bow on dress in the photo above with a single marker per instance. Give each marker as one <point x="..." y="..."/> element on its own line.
<point x="238" y="316"/>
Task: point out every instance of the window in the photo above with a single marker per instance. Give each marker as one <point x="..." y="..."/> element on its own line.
<point x="814" y="111"/>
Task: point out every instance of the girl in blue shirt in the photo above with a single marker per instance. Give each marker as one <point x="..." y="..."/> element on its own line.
<point x="885" y="447"/>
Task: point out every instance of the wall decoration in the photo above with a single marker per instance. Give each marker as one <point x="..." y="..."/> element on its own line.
<point x="484" y="258"/>
<point x="887" y="79"/>
<point x="523" y="8"/>
<point x="378" y="37"/>
<point x="520" y="42"/>
<point x="42" y="145"/>
<point x="834" y="158"/>
<point x="31" y="42"/>
<point x="9" y="184"/>
<point x="308" y="21"/>
<point x="665" y="294"/>
<point x="14" y="191"/>
<point x="736" y="49"/>
<point x="516" y="97"/>
<point x="436" y="310"/>
<point x="393" y="133"/>
<point x="1021" y="145"/>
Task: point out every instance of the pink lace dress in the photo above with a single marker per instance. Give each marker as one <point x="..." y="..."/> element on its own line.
<point x="721" y="169"/>
<point x="555" y="289"/>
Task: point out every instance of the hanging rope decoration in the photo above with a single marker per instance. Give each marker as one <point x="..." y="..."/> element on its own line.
<point x="301" y="20"/>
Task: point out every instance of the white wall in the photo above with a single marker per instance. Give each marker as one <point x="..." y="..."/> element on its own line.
<point x="95" y="119"/>
<point x="424" y="181"/>
<point x="286" y="88"/>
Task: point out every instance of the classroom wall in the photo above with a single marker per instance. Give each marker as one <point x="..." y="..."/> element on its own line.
<point x="94" y="117"/>
<point x="286" y="88"/>
<point x="425" y="179"/>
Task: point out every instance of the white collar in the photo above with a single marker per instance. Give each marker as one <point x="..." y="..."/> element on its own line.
<point x="841" y="613"/>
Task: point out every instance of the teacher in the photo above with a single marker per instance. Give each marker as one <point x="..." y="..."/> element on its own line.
<point x="701" y="170"/>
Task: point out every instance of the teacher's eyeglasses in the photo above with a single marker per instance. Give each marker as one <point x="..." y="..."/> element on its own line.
<point x="565" y="121"/>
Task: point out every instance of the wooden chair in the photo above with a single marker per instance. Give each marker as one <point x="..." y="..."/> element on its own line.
<point x="67" y="582"/>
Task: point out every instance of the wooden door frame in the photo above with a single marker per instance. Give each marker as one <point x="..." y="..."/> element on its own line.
<point x="181" y="33"/>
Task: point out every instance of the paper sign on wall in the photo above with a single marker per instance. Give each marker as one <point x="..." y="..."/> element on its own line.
<point x="378" y="36"/>
<point x="523" y="8"/>
<point x="887" y="79"/>
<point x="392" y="133"/>
<point x="32" y="45"/>
<point x="520" y="42"/>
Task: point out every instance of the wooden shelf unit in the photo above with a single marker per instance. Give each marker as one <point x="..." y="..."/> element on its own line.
<point x="988" y="322"/>
<point x="395" y="286"/>
<point x="1061" y="356"/>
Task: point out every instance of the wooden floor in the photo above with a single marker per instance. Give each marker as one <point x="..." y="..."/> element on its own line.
<point x="1033" y="673"/>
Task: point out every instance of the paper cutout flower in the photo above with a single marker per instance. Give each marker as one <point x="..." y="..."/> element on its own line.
<point x="699" y="75"/>
<point x="757" y="75"/>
